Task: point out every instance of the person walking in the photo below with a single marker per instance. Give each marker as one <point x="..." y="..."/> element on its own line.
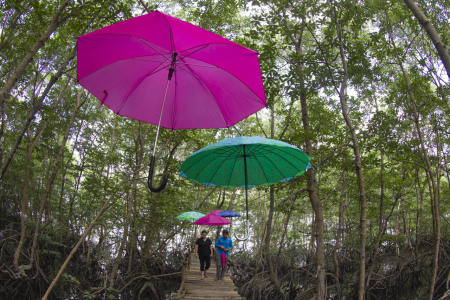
<point x="223" y="245"/>
<point x="204" y="251"/>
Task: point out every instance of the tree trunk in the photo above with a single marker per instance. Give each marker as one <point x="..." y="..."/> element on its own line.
<point x="118" y="258"/>
<point x="123" y="241"/>
<point x="285" y="229"/>
<point x="139" y="143"/>
<point x="419" y="215"/>
<point x="338" y="243"/>
<point x="54" y="24"/>
<point x="358" y="163"/>
<point x="316" y="204"/>
<point x="46" y="194"/>
<point x="9" y="26"/>
<point x="396" y="228"/>
<point x="77" y="187"/>
<point x="24" y="214"/>
<point x="257" y="230"/>
<point x="312" y="238"/>
<point x="34" y="109"/>
<point x="61" y="199"/>
<point x="380" y="223"/>
<point x="2" y="131"/>
<point x="24" y="204"/>
<point x="272" y="272"/>
<point x="431" y="32"/>
<point x="150" y="230"/>
<point x="83" y="236"/>
<point x="434" y="191"/>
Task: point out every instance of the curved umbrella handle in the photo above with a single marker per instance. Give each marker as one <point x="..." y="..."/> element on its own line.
<point x="246" y="234"/>
<point x="150" y="178"/>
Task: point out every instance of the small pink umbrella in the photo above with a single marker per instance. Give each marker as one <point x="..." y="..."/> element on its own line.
<point x="212" y="220"/>
<point x="215" y="212"/>
<point x="224" y="259"/>
<point x="164" y="71"/>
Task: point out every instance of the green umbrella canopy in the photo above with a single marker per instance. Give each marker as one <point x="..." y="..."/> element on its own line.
<point x="190" y="215"/>
<point x="245" y="162"/>
<point x="265" y="161"/>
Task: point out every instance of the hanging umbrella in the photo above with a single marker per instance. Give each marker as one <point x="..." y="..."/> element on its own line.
<point x="129" y="67"/>
<point x="245" y="162"/>
<point x="228" y="214"/>
<point x="212" y="220"/>
<point x="190" y="216"/>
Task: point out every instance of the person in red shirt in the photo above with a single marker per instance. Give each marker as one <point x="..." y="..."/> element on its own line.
<point x="204" y="251"/>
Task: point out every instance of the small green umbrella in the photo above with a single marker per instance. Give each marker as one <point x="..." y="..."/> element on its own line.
<point x="190" y="216"/>
<point x="245" y="162"/>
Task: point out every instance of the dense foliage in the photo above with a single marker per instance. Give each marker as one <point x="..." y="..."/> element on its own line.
<point x="73" y="175"/>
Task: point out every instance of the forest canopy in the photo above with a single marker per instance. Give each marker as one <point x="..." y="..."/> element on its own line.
<point x="362" y="87"/>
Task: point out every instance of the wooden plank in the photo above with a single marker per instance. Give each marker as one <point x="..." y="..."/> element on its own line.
<point x="208" y="289"/>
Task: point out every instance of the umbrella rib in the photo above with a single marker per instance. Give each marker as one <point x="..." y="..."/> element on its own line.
<point x="119" y="61"/>
<point x="194" y="75"/>
<point x="259" y="163"/>
<point x="141" y="59"/>
<point x="276" y="167"/>
<point x="138" y="38"/>
<point x="198" y="161"/>
<point x="295" y="160"/>
<point x="160" y="69"/>
<point x="172" y="116"/>
<point x="281" y="149"/>
<point x="220" y="151"/>
<point x="125" y="99"/>
<point x="224" y="113"/>
<point x="172" y="42"/>
<point x="225" y="150"/>
<point x="215" y="172"/>
<point x="192" y="164"/>
<point x="148" y="44"/>
<point x="233" y="75"/>
<point x="235" y="161"/>
<point x="206" y="66"/>
<point x="290" y="163"/>
<point x="202" y="46"/>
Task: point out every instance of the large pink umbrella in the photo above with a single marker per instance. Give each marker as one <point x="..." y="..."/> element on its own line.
<point x="212" y="220"/>
<point x="129" y="67"/>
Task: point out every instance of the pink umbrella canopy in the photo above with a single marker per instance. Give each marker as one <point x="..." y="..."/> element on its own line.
<point x="212" y="220"/>
<point x="215" y="212"/>
<point x="216" y="82"/>
<point x="129" y="67"/>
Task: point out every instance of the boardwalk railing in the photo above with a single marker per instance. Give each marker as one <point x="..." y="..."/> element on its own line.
<point x="186" y="262"/>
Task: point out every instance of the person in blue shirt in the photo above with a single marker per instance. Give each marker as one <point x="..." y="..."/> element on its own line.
<point x="223" y="245"/>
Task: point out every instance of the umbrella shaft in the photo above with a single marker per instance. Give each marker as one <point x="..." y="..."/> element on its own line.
<point x="246" y="182"/>
<point x="171" y="70"/>
<point x="172" y="64"/>
<point x="160" y="117"/>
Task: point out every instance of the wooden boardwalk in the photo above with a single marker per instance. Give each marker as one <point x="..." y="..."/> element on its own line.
<point x="209" y="288"/>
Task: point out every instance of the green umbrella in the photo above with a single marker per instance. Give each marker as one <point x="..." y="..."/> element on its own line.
<point x="245" y="162"/>
<point x="190" y="215"/>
